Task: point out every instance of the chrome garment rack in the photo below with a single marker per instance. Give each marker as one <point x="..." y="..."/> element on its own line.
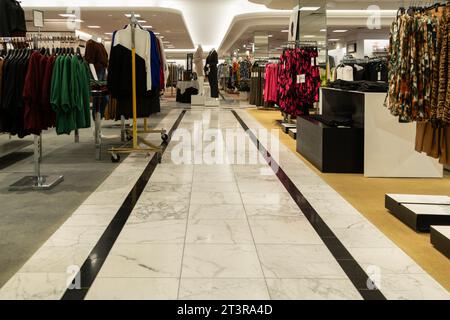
<point x="38" y="181"/>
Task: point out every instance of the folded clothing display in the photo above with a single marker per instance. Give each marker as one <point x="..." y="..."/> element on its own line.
<point x="363" y="86"/>
<point x="186" y="96"/>
<point x="333" y="121"/>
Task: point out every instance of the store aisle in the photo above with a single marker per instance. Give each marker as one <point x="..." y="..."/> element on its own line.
<point x="221" y="231"/>
<point x="209" y="227"/>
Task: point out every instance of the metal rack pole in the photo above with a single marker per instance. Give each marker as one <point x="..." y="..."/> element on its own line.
<point x="98" y="136"/>
<point x="123" y="130"/>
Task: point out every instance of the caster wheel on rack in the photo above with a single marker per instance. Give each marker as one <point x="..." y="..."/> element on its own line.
<point x="165" y="137"/>
<point x="115" y="158"/>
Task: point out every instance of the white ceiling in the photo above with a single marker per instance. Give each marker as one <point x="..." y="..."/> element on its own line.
<point x="167" y="23"/>
<point x="336" y="4"/>
<point x="222" y="24"/>
<point x="207" y="21"/>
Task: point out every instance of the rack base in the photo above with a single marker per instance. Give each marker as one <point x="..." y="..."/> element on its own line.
<point x="36" y="183"/>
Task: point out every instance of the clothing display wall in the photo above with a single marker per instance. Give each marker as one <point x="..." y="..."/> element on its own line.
<point x="40" y="91"/>
<point x="419" y="87"/>
<point x="150" y="72"/>
<point x="12" y="19"/>
<point x="299" y="80"/>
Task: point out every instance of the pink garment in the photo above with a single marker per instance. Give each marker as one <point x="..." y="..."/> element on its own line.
<point x="271" y="83"/>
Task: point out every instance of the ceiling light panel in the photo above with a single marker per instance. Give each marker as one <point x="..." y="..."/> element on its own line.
<point x="309" y="8"/>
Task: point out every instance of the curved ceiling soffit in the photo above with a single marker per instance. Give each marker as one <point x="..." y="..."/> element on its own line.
<point x="245" y="21"/>
<point x="135" y="9"/>
<point x="277" y="4"/>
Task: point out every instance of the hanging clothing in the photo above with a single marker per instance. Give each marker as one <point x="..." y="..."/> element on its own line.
<point x="418" y="66"/>
<point x="70" y="94"/>
<point x="419" y="86"/>
<point x="299" y="80"/>
<point x="150" y="72"/>
<point x="143" y="48"/>
<point x="96" y="54"/>
<point x="271" y="83"/>
<point x="12" y="19"/>
<point x="41" y="91"/>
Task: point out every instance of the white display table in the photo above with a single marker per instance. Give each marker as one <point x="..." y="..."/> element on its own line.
<point x="389" y="146"/>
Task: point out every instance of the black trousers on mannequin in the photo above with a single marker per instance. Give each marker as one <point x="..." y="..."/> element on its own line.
<point x="213" y="81"/>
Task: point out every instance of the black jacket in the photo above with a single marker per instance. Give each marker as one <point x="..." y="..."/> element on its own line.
<point x="12" y="19"/>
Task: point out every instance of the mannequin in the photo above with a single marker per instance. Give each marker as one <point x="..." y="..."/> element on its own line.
<point x="198" y="60"/>
<point x="211" y="63"/>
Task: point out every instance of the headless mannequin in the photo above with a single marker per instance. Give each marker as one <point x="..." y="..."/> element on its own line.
<point x="198" y="60"/>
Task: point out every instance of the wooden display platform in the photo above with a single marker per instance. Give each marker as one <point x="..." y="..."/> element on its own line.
<point x="419" y="211"/>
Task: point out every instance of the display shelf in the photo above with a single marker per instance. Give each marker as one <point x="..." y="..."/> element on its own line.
<point x="293" y="133"/>
<point x="440" y="239"/>
<point x="331" y="149"/>
<point x="389" y="146"/>
<point x="420" y="211"/>
<point x="286" y="126"/>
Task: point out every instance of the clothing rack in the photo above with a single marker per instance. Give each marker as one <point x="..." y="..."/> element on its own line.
<point x="37" y="181"/>
<point x="137" y="140"/>
<point x="300" y="44"/>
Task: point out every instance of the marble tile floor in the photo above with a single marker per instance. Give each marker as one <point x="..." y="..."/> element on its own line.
<point x="222" y="231"/>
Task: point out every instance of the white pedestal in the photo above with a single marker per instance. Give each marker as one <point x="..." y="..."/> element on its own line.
<point x="243" y="95"/>
<point x="212" y="102"/>
<point x="389" y="146"/>
<point x="198" y="100"/>
<point x="201" y="86"/>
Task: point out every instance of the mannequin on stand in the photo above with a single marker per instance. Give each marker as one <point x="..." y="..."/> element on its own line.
<point x="198" y="60"/>
<point x="211" y="63"/>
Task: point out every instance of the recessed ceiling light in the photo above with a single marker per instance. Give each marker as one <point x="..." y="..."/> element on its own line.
<point x="147" y="27"/>
<point x="128" y="15"/>
<point x="270" y="35"/>
<point x="108" y="33"/>
<point x="309" y="36"/>
<point x="323" y="30"/>
<point x="142" y="21"/>
<point x="166" y="42"/>
<point x="309" y="8"/>
<point x="93" y="27"/>
<point x="333" y="39"/>
<point x="162" y="37"/>
<point x="285" y="31"/>
<point x="157" y="33"/>
<point x="340" y="31"/>
<point x="67" y="15"/>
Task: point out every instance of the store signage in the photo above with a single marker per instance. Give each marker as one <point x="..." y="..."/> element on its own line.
<point x="38" y="18"/>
